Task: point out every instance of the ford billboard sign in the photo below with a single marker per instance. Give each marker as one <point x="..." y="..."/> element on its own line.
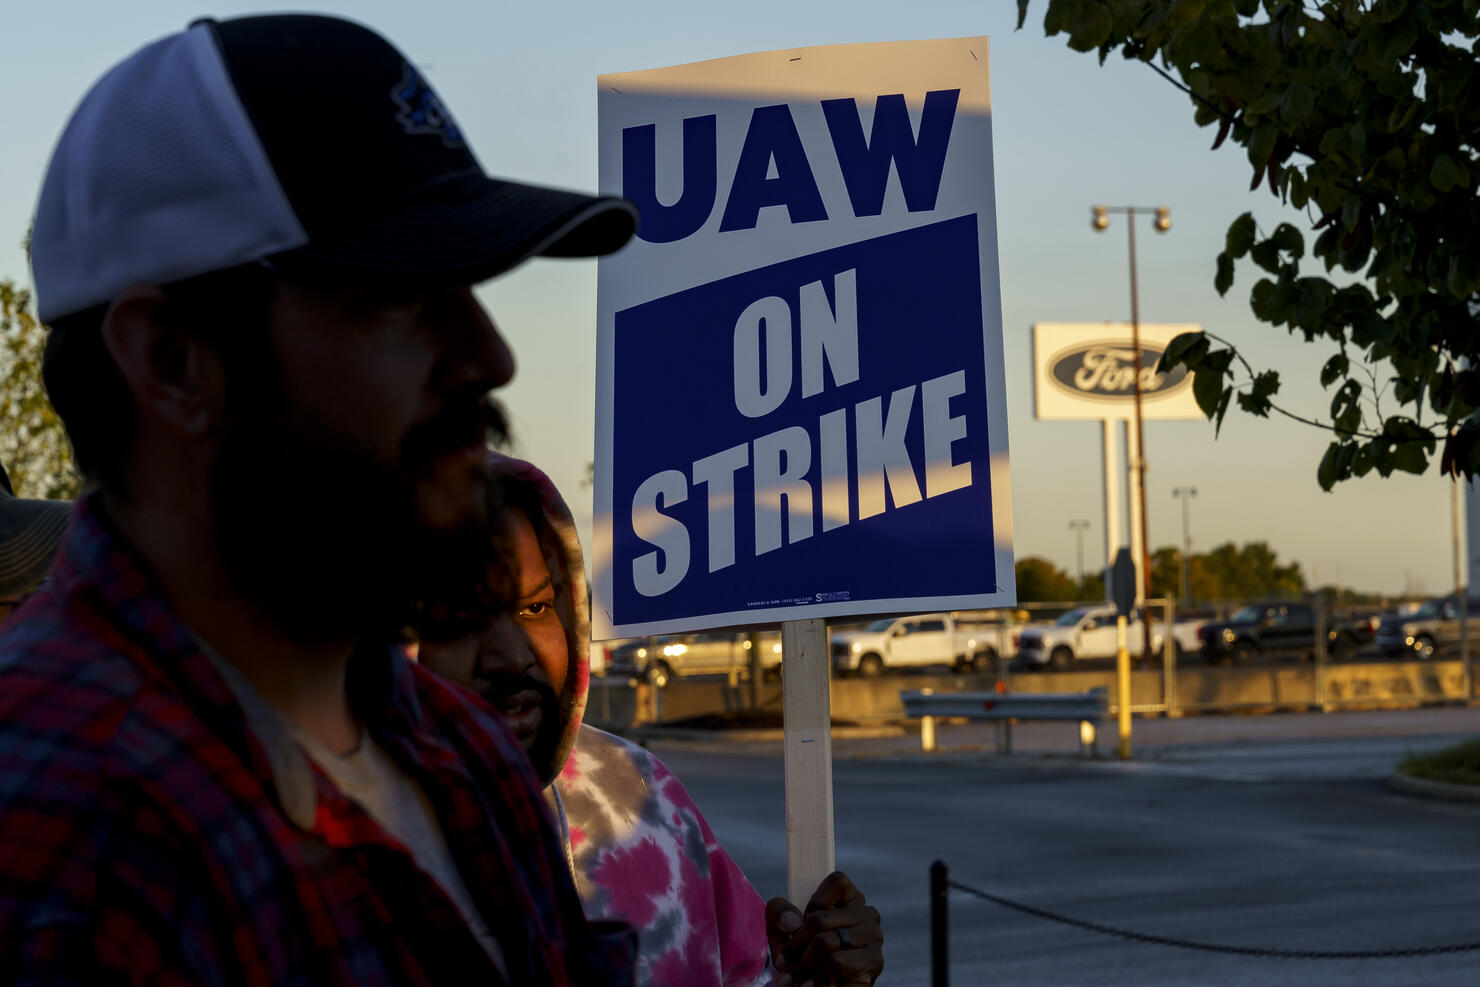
<point x="1105" y="370"/>
<point x="1086" y="372"/>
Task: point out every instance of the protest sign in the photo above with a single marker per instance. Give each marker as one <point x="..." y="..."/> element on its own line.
<point x="800" y="403"/>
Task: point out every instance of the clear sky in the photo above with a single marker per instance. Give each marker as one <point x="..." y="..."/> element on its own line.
<point x="521" y="79"/>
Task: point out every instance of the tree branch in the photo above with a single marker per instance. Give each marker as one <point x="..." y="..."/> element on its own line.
<point x="1315" y="423"/>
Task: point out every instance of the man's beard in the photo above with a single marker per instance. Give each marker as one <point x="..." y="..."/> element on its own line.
<point x="324" y="536"/>
<point x="493" y="686"/>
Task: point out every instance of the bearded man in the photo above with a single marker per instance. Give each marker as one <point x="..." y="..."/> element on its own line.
<point x="639" y="847"/>
<point x="256" y="245"/>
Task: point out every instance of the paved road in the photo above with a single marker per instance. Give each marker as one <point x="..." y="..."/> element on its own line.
<point x="1271" y="831"/>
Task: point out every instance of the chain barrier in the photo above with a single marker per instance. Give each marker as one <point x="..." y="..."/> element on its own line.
<point x="1284" y="954"/>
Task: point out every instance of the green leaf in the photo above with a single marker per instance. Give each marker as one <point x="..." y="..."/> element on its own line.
<point x="1240" y="236"/>
<point x="1184" y="349"/>
<point x="1328" y="472"/>
<point x="1448" y="173"/>
<point x="1262" y="300"/>
<point x="1091" y="29"/>
<point x="1223" y="279"/>
<point x="1336" y="368"/>
<point x="1346" y="408"/>
<point x="1222" y="410"/>
<point x="1261" y="144"/>
<point x="1266" y="254"/>
<point x="1022" y="12"/>
<point x="1288" y="239"/>
<point x="1409" y="457"/>
<point x="1208" y="388"/>
<point x="1256" y="400"/>
<point x="1297" y="103"/>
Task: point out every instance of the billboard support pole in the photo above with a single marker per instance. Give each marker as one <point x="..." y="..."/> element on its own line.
<point x="1109" y="454"/>
<point x="807" y="726"/>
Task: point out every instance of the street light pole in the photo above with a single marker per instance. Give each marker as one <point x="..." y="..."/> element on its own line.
<point x="1185" y="494"/>
<point x="1078" y="526"/>
<point x="1163" y="222"/>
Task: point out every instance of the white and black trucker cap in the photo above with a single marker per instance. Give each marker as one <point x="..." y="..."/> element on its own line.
<point x="306" y="141"/>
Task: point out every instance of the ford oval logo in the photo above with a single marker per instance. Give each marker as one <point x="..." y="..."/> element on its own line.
<point x="1105" y="370"/>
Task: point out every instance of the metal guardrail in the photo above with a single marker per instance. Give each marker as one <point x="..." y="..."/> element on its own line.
<point x="1089" y="709"/>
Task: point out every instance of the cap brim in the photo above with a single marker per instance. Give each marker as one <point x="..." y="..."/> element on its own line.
<point x="30" y="533"/>
<point x="472" y="229"/>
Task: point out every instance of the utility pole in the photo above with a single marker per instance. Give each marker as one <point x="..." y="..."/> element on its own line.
<point x="1099" y="223"/>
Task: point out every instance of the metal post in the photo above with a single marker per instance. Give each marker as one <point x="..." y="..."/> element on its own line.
<point x="940" y="972"/>
<point x="1123" y="688"/>
<point x="1461" y="591"/>
<point x="1320" y="655"/>
<point x="1109" y="453"/>
<point x="1169" y="695"/>
<point x="1464" y="640"/>
<point x="754" y="651"/>
<point x="927" y="726"/>
<point x="1145" y="547"/>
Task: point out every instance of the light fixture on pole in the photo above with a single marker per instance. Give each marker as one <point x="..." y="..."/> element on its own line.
<point x="1099" y="222"/>
<point x="1185" y="494"/>
<point x="1079" y="526"/>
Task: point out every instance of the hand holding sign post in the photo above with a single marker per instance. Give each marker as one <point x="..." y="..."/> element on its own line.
<point x="800" y="400"/>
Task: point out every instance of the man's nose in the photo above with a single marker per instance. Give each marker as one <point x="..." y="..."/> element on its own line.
<point x="480" y="358"/>
<point x="506" y="649"/>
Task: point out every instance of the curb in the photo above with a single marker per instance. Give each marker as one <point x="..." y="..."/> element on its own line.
<point x="1427" y="788"/>
<point x="645" y="734"/>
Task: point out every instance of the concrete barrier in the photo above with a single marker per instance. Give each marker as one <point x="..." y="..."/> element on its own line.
<point x="616" y="704"/>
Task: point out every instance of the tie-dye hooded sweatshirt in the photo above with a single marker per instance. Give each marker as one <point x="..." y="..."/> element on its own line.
<point x="639" y="848"/>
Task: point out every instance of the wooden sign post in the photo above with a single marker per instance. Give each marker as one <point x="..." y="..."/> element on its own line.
<point x="807" y="711"/>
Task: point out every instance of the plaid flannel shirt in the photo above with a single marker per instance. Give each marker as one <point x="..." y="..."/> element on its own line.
<point x="142" y="839"/>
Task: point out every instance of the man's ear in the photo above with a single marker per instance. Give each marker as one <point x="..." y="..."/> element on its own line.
<point x="174" y="377"/>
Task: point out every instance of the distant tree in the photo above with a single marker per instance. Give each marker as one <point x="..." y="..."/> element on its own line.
<point x="1092" y="587"/>
<point x="33" y="445"/>
<point x="1040" y="581"/>
<point x="1166" y="572"/>
<point x="1364" y="114"/>
<point x="1253" y="570"/>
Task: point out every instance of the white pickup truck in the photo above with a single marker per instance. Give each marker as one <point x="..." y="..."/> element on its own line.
<point x="1082" y="633"/>
<point x="912" y="642"/>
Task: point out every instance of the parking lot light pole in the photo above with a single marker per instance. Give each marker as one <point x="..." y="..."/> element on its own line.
<point x="1079" y="526"/>
<point x="1185" y="494"/>
<point x="1099" y="222"/>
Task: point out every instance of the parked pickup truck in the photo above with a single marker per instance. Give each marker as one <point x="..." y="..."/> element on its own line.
<point x="1433" y="627"/>
<point x="1081" y="634"/>
<point x="963" y="642"/>
<point x="659" y="660"/>
<point x="1275" y="628"/>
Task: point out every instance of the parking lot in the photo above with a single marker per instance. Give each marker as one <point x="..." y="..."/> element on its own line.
<point x="1273" y="832"/>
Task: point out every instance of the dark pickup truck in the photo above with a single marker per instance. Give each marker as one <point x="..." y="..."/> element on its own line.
<point x="1279" y="628"/>
<point x="1432" y="628"/>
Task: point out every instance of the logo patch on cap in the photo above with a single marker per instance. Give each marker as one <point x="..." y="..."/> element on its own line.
<point x="422" y="111"/>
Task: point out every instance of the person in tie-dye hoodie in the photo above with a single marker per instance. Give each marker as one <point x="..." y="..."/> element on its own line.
<point x="639" y="848"/>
